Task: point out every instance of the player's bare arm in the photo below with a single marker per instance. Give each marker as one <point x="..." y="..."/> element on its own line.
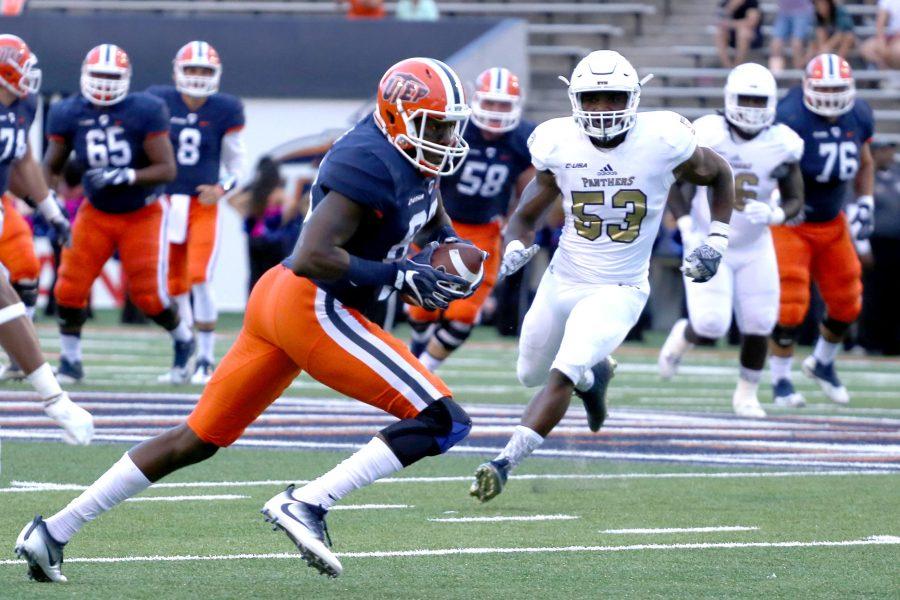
<point x="790" y="186"/>
<point x="861" y="214"/>
<point x="162" y="167"/>
<point x="27" y="179"/>
<point x="537" y="197"/>
<point x="319" y="253"/>
<point x="679" y="199"/>
<point x="54" y="160"/>
<point x="864" y="184"/>
<point x="705" y="167"/>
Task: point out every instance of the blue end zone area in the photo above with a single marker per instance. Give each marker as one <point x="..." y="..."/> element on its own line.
<point x="630" y="435"/>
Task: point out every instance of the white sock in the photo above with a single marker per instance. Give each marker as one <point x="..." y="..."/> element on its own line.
<point x="586" y="381"/>
<point x="825" y="352"/>
<point x="747" y="386"/>
<point x="750" y="375"/>
<point x="183" y="302"/>
<point x="122" y="481"/>
<point x="182" y="332"/>
<point x="70" y="347"/>
<point x="523" y="442"/>
<point x="780" y="366"/>
<point x="29" y="312"/>
<point x="371" y="462"/>
<point x="429" y="362"/>
<point x="44" y="382"/>
<point x="206" y="342"/>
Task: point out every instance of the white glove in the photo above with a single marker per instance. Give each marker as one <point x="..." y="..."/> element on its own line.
<point x="110" y="176"/>
<point x="762" y="213"/>
<point x="861" y="217"/>
<point x="515" y="257"/>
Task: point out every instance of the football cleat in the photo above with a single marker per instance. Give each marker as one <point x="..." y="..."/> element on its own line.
<point x="594" y="398"/>
<point x="180" y="373"/>
<point x="747" y="405"/>
<point x="202" y="372"/>
<point x="305" y="525"/>
<point x="827" y="378"/>
<point x="77" y="423"/>
<point x="12" y="372"/>
<point x="673" y="350"/>
<point x="784" y="395"/>
<point x="490" y="478"/>
<point x="69" y="372"/>
<point x="43" y="554"/>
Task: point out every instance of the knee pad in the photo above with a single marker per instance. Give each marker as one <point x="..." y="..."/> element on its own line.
<point x="453" y="334"/>
<point x="168" y="318"/>
<point x="70" y="319"/>
<point x="528" y="376"/>
<point x="204" y="303"/>
<point x="433" y="431"/>
<point x="710" y="325"/>
<point x="838" y="328"/>
<point x="27" y="289"/>
<point x="784" y="336"/>
<point x="844" y="306"/>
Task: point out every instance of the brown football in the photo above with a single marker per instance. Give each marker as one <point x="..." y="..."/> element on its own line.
<point x="460" y="259"/>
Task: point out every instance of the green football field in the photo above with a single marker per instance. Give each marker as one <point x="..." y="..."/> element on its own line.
<point x="675" y="497"/>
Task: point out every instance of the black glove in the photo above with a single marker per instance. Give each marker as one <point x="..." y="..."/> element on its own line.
<point x="423" y="285"/>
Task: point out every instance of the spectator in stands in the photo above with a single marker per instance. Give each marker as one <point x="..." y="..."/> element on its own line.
<point x="834" y="29"/>
<point x="794" y="22"/>
<point x="739" y="27"/>
<point x="365" y="9"/>
<point x="881" y="289"/>
<point x="883" y="50"/>
<point x="417" y="10"/>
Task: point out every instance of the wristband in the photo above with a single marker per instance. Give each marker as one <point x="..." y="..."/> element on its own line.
<point x="131" y="175"/>
<point x="866" y="201"/>
<point x="227" y="183"/>
<point x="718" y="236"/>
<point x="364" y="272"/>
<point x="778" y="216"/>
<point x="49" y="208"/>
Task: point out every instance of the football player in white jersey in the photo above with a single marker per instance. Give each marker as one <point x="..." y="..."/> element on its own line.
<point x="613" y="168"/>
<point x="763" y="157"/>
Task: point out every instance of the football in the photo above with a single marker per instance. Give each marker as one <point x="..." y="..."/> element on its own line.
<point x="456" y="258"/>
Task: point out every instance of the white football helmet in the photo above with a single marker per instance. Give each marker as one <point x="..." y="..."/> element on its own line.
<point x="604" y="71"/>
<point x="750" y="79"/>
<point x="197" y="54"/>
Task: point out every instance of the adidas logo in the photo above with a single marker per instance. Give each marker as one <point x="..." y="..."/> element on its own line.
<point x="607" y="170"/>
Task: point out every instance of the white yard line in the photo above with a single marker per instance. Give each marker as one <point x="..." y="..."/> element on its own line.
<point x="877" y="540"/>
<point x="500" y="518"/>
<point x="187" y="498"/>
<point x="370" y="506"/>
<point x="683" y="529"/>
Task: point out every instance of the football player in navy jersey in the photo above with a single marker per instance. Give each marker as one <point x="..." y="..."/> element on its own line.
<point x="478" y="198"/>
<point x="20" y="79"/>
<point x="122" y="141"/>
<point x="375" y="190"/>
<point x="836" y="127"/>
<point x="205" y="128"/>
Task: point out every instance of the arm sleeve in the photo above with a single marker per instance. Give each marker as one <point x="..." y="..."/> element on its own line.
<point x="682" y="139"/>
<point x="359" y="176"/>
<point x="233" y="154"/>
<point x="58" y="123"/>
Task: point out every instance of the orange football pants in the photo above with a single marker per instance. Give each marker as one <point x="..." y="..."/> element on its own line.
<point x="485" y="236"/>
<point x="825" y="252"/>
<point x="139" y="236"/>
<point x="290" y="325"/>
<point x="17" y="245"/>
<point x="192" y="262"/>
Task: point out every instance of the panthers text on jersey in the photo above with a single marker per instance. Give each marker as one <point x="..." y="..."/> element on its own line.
<point x="752" y="162"/>
<point x="15" y="121"/>
<point x="111" y="136"/>
<point x="197" y="136"/>
<point x="613" y="198"/>
<point x="480" y="191"/>
<point x="364" y="166"/>
<point x="831" y="156"/>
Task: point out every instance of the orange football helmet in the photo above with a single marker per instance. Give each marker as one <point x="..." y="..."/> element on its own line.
<point x="422" y="110"/>
<point x="198" y="55"/>
<point x="105" y="75"/>
<point x="18" y="72"/>
<point x="828" y="86"/>
<point x="497" y="102"/>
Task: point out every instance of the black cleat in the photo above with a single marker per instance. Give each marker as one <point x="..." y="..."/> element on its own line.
<point x="595" y="398"/>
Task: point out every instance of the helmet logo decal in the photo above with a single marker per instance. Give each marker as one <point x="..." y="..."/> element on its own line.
<point x="8" y="54"/>
<point x="404" y="87"/>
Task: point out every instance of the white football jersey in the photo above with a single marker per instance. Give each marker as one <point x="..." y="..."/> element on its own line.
<point x="614" y="198"/>
<point x="752" y="162"/>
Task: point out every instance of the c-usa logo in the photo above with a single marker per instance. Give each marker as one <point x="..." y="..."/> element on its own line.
<point x="404" y="87"/>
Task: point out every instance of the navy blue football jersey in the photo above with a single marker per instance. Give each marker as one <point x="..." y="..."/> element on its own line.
<point x="111" y="136"/>
<point x="480" y="190"/>
<point x="15" y="121"/>
<point x="365" y="167"/>
<point x="197" y="136"/>
<point x="831" y="153"/>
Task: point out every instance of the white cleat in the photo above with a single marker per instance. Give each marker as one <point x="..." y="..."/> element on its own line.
<point x="673" y="350"/>
<point x="43" y="554"/>
<point x="785" y="396"/>
<point x="747" y="405"/>
<point x="203" y="372"/>
<point x="305" y="525"/>
<point x="175" y="376"/>
<point x="826" y="377"/>
<point x="77" y="423"/>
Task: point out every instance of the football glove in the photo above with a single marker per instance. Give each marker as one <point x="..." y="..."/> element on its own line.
<point x="762" y="213"/>
<point x="109" y="176"/>
<point x="425" y="286"/>
<point x="862" y="218"/>
<point x="515" y="257"/>
<point x="701" y="264"/>
<point x="53" y="214"/>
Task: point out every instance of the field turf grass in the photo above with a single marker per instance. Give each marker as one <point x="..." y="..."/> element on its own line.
<point x="794" y="530"/>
